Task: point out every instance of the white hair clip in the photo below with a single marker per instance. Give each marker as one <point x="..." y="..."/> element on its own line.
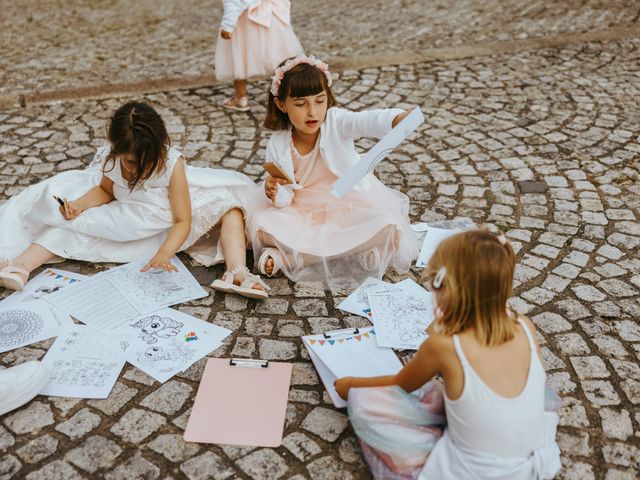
<point x="502" y="239"/>
<point x="439" y="278"/>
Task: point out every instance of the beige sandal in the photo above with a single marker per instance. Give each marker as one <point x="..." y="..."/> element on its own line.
<point x="11" y="281"/>
<point x="227" y="284"/>
<point x="236" y="104"/>
<point x="267" y="254"/>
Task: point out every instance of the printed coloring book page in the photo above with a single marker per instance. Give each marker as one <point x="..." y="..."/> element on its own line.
<point x="154" y="289"/>
<point x="168" y="341"/>
<point x="49" y="281"/>
<point x="358" y="303"/>
<point x="85" y="363"/>
<point x="24" y="323"/>
<point x="401" y="318"/>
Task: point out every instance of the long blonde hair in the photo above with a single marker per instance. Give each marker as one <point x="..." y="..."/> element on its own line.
<point x="471" y="274"/>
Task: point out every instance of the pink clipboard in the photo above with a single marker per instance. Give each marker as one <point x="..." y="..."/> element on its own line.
<point x="240" y="402"/>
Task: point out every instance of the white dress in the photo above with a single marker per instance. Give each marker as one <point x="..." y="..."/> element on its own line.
<point x="130" y="227"/>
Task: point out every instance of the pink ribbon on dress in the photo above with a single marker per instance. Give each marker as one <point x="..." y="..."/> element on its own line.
<point x="262" y="12"/>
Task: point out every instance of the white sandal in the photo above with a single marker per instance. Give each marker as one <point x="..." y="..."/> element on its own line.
<point x="370" y="260"/>
<point x="236" y="104"/>
<point x="267" y="254"/>
<point x="11" y="281"/>
<point x="227" y="285"/>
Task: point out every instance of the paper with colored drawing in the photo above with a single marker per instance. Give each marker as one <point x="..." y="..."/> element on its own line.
<point x="349" y="354"/>
<point x="380" y="150"/>
<point x="168" y="341"/>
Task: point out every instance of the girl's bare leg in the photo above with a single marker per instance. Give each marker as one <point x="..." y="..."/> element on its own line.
<point x="241" y="88"/>
<point x="233" y="241"/>
<point x="32" y="258"/>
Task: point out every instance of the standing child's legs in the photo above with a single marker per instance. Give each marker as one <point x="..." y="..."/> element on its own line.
<point x="240" y="101"/>
<point x="29" y="260"/>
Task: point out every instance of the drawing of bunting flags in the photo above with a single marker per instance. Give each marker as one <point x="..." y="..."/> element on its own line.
<point x="359" y="338"/>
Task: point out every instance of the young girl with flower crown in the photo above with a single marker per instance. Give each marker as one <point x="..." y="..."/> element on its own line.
<point x="494" y="418"/>
<point x="137" y="199"/>
<point x="255" y="36"/>
<point x="297" y="226"/>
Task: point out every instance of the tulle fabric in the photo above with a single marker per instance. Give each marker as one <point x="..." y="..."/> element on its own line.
<point x="338" y="242"/>
<point x="399" y="430"/>
<point x="261" y="40"/>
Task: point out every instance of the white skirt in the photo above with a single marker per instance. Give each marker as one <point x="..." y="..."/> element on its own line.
<point x="125" y="229"/>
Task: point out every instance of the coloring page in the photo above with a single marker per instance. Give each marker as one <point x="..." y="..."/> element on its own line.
<point x="168" y="341"/>
<point x="358" y="303"/>
<point x="94" y="301"/>
<point x="401" y="318"/>
<point x="354" y="353"/>
<point x="26" y="323"/>
<point x="49" y="281"/>
<point x="432" y="238"/>
<point x="85" y="362"/>
<point x="154" y="289"/>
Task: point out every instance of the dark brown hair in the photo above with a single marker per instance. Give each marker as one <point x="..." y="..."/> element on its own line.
<point x="475" y="287"/>
<point x="301" y="81"/>
<point x="137" y="129"/>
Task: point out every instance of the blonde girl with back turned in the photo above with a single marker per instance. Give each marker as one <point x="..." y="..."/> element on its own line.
<point x="296" y="226"/>
<point x="494" y="423"/>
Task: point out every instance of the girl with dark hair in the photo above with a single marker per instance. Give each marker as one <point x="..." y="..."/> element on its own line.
<point x="136" y="199"/>
<point x="255" y="36"/>
<point x="297" y="226"/>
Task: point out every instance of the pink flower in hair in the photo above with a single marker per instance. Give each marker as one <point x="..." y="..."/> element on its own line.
<point x="289" y="64"/>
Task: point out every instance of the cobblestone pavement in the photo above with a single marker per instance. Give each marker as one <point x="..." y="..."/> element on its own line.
<point x="567" y="119"/>
<point x="54" y="44"/>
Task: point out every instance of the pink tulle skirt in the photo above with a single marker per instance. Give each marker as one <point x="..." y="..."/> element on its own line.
<point x="261" y="40"/>
<point x="339" y="242"/>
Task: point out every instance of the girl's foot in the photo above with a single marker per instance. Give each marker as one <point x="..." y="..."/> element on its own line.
<point x="242" y="282"/>
<point x="237" y="104"/>
<point x="12" y="277"/>
<point x="370" y="260"/>
<point x="266" y="263"/>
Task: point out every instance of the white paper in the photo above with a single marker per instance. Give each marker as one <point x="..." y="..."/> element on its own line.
<point x="378" y="152"/>
<point x="432" y="238"/>
<point x="85" y="362"/>
<point x="24" y="323"/>
<point x="154" y="289"/>
<point x="49" y="281"/>
<point x="356" y="355"/>
<point x="401" y="318"/>
<point x="96" y="302"/>
<point x="358" y="304"/>
<point x="168" y="341"/>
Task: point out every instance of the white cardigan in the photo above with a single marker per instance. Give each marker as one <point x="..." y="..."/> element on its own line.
<point x="232" y="11"/>
<point x="337" y="133"/>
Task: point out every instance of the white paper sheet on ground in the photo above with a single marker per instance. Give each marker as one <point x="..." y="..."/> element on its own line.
<point x="168" y="341"/>
<point x="349" y="354"/>
<point x="96" y="302"/>
<point x="378" y="152"/>
<point x="154" y="289"/>
<point x="401" y="318"/>
<point x="85" y="362"/>
<point x="24" y="323"/>
<point x="49" y="281"/>
<point x="432" y="238"/>
<point x="358" y="304"/>
<point x="112" y="298"/>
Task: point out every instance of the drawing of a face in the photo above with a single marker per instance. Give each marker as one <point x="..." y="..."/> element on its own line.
<point x="153" y="353"/>
<point x="153" y="327"/>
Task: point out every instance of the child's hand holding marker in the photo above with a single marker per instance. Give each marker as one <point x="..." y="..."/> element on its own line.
<point x="69" y="210"/>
